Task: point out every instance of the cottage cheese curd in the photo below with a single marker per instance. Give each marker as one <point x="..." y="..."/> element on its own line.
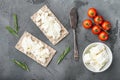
<point x="97" y="57"/>
<point x="49" y="25"/>
<point x="37" y="49"/>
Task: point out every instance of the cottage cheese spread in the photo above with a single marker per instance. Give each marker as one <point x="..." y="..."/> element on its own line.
<point x="49" y="25"/>
<point x="35" y="48"/>
<point x="97" y="57"/>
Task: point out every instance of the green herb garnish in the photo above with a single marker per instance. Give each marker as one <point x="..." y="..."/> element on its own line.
<point x="15" y="22"/>
<point x="12" y="31"/>
<point x="61" y="57"/>
<point x="21" y="64"/>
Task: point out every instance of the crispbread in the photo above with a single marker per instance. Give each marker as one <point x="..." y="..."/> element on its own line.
<point x="19" y="47"/>
<point x="63" y="32"/>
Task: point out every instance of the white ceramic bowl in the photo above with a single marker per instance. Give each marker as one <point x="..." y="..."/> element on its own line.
<point x="109" y="54"/>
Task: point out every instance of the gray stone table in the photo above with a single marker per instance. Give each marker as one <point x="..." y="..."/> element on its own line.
<point x="68" y="69"/>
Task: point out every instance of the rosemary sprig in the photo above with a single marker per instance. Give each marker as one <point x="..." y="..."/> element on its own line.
<point x="15" y="22"/>
<point x="21" y="65"/>
<point x="12" y="31"/>
<point x="61" y="57"/>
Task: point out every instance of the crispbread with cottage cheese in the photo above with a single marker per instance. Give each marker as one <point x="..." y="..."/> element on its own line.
<point x="35" y="49"/>
<point x="49" y="25"/>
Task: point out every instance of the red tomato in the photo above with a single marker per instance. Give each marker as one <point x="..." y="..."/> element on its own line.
<point x="87" y="23"/>
<point x="106" y="25"/>
<point x="103" y="36"/>
<point x="98" y="19"/>
<point x="96" y="29"/>
<point x="92" y="12"/>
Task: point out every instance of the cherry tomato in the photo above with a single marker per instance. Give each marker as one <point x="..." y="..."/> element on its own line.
<point x="98" y="19"/>
<point x="92" y="12"/>
<point x="96" y="29"/>
<point x="103" y="36"/>
<point x="87" y="23"/>
<point x="106" y="25"/>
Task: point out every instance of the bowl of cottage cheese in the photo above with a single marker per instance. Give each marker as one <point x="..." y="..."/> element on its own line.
<point x="97" y="57"/>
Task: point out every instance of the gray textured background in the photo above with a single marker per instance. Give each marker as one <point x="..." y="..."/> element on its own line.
<point x="68" y="69"/>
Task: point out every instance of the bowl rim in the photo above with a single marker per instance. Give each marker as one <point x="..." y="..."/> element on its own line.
<point x="109" y="53"/>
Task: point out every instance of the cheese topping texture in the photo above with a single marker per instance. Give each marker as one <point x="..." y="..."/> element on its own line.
<point x="36" y="48"/>
<point x="97" y="57"/>
<point x="49" y="24"/>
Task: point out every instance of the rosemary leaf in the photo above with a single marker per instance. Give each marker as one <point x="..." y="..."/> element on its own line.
<point x="15" y="22"/>
<point x="61" y="57"/>
<point x="12" y="31"/>
<point x="21" y="64"/>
